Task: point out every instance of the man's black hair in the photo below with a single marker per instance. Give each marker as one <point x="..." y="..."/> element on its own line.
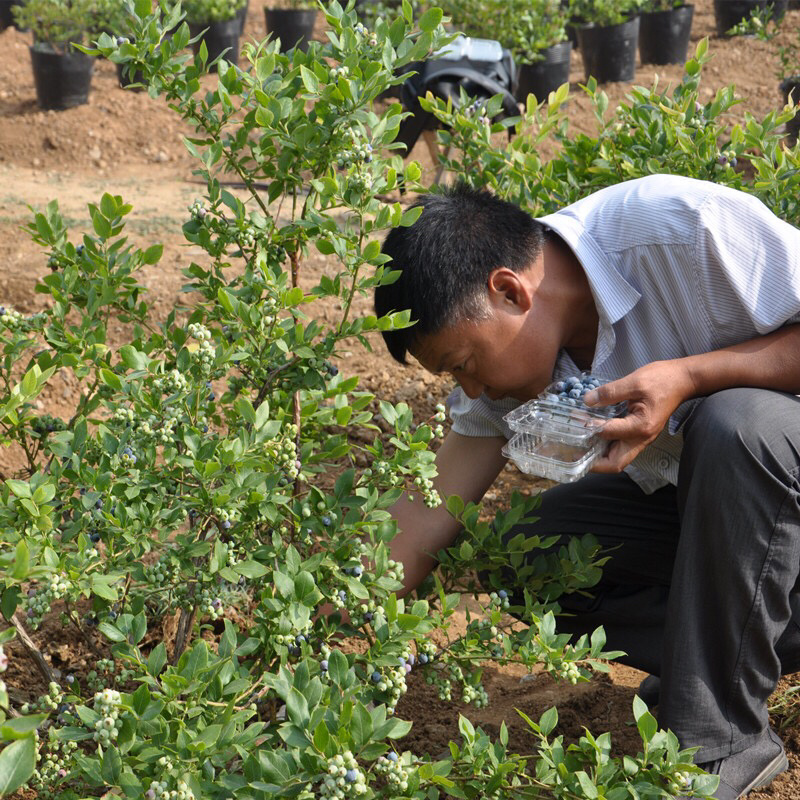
<point x="446" y="257"/>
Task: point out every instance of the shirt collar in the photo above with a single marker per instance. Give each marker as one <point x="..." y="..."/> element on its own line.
<point x="614" y="297"/>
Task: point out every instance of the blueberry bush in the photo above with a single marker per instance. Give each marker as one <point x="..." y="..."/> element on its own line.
<point x="653" y="132"/>
<point x="220" y="473"/>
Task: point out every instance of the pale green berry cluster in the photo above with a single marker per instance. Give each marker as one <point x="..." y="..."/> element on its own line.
<point x="392" y="683"/>
<point x="106" y="704"/>
<point x="439" y="418"/>
<point x="339" y="72"/>
<point x="159" y="790"/>
<point x="360" y="182"/>
<point x="38" y="602"/>
<point x="246" y="238"/>
<point x="205" y="352"/>
<point x="174" y="382"/>
<point x="366" y="35"/>
<point x="226" y="517"/>
<point x="198" y="210"/>
<point x="284" y="453"/>
<point x="47" y="702"/>
<point x="394" y="570"/>
<point x="344" y="778"/>
<point x="12" y="319"/>
<point x="53" y="758"/>
<point x="209" y="604"/>
<point x="394" y="771"/>
<point x="499" y="600"/>
<point x="159" y="573"/>
<point x="680" y="783"/>
<point x="476" y="695"/>
<point x="102" y="675"/>
<point x="430" y="496"/>
<point x="568" y="670"/>
<point x="358" y="150"/>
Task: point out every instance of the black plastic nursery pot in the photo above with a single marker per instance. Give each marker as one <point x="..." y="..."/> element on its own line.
<point x="219" y="37"/>
<point x="293" y="26"/>
<point x="728" y="13"/>
<point x="62" y="80"/>
<point x="241" y="15"/>
<point x="6" y="17"/>
<point x="790" y="88"/>
<point x="664" y="35"/>
<point x="544" y="76"/>
<point x="609" y="52"/>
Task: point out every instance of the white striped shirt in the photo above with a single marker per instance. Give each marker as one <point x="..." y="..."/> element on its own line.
<point x="677" y="267"/>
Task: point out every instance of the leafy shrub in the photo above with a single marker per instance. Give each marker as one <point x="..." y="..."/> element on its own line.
<point x="203" y="11"/>
<point x="653" y="132"/>
<point x="212" y="463"/>
<point x="525" y="27"/>
<point x="56" y="23"/>
<point x="602" y="13"/>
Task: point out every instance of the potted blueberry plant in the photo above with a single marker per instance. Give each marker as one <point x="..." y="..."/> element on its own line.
<point x="218" y="25"/>
<point x="608" y="38"/>
<point x="533" y="30"/>
<point x="789" y="77"/>
<point x="292" y="22"/>
<point x="664" y="28"/>
<point x="540" y="46"/>
<point x="61" y="73"/>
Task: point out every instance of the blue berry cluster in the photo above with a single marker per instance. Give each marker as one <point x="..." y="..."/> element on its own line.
<point x="571" y="390"/>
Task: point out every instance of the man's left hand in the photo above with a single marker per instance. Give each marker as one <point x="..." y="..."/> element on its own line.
<point x="652" y="393"/>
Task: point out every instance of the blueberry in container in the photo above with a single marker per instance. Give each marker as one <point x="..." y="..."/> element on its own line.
<point x="556" y="434"/>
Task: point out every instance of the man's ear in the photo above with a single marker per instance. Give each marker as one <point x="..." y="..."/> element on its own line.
<point x="509" y="290"/>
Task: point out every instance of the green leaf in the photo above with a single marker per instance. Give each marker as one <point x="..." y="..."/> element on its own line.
<point x="21" y="727"/>
<point x="111" y="769"/>
<point x="430" y="19"/>
<point x="21" y="561"/>
<point x="548" y="720"/>
<point x="157" y="659"/>
<point x="309" y="79"/>
<point x="297" y="708"/>
<point x="153" y="254"/>
<point x="111" y="632"/>
<point x="17" y="762"/>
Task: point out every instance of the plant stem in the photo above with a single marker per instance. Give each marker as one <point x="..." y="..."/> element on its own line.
<point x="32" y="650"/>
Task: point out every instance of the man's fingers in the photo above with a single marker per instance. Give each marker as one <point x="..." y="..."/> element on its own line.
<point x="605" y="395"/>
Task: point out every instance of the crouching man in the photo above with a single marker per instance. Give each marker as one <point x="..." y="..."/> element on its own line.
<point x="688" y="294"/>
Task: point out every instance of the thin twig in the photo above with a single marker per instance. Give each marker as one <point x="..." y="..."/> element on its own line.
<point x="32" y="650"/>
<point x="185" y="625"/>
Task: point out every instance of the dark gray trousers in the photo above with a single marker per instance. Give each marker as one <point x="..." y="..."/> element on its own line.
<point x="702" y="583"/>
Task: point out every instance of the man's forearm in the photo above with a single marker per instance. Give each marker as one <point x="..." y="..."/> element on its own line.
<point x="768" y="362"/>
<point x="467" y="467"/>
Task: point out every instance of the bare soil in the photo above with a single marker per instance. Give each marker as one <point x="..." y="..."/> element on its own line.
<point x="129" y="144"/>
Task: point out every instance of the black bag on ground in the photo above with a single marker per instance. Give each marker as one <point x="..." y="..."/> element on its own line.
<point x="481" y="70"/>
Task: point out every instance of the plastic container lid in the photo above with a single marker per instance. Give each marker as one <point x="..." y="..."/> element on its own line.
<point x="556" y="435"/>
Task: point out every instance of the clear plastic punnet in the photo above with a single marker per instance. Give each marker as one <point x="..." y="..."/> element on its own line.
<point x="556" y="435"/>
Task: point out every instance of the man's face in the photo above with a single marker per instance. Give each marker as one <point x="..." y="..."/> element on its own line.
<point x="500" y="356"/>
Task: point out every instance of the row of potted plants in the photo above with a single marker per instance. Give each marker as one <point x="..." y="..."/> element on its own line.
<point x="62" y="74"/>
<point x="541" y="33"/>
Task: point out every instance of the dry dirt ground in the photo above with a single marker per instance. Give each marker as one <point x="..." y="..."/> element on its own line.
<point x="129" y="144"/>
